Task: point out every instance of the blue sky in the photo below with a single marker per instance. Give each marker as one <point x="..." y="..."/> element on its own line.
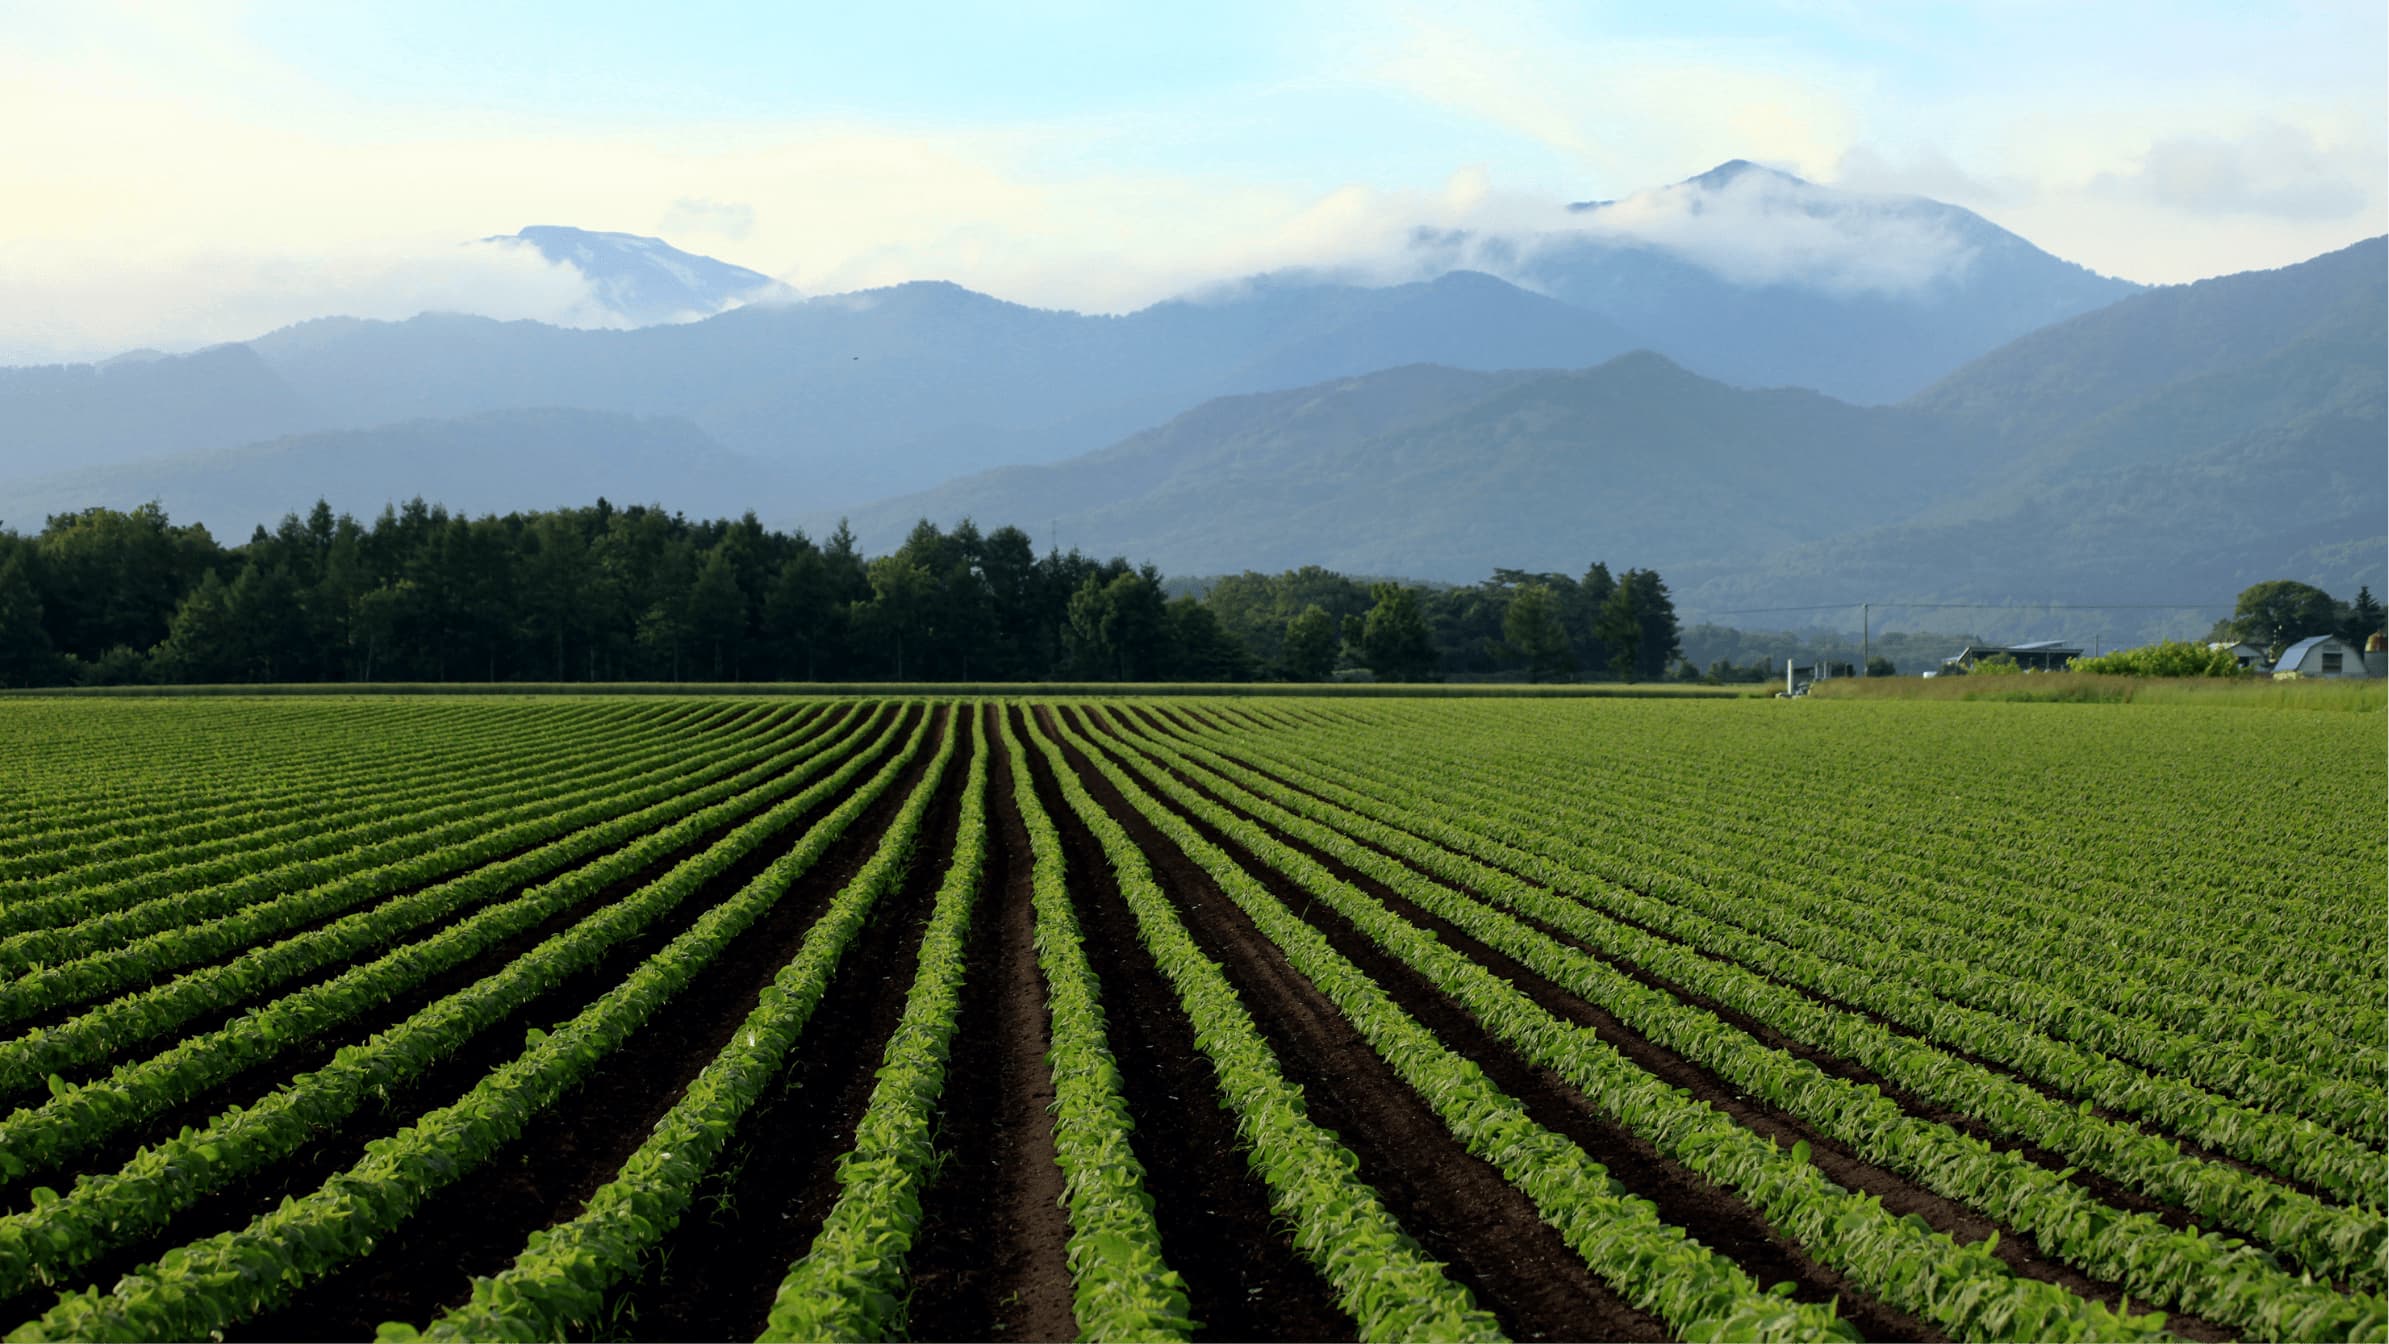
<point x="198" y="166"/>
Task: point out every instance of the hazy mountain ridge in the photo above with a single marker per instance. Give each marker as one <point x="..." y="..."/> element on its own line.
<point x="2181" y="475"/>
<point x="1885" y="293"/>
<point x="855" y="397"/>
<point x="486" y="463"/>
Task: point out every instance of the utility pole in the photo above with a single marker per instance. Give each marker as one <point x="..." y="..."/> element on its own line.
<point x="1866" y="637"/>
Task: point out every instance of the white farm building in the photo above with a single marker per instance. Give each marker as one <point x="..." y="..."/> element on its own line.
<point x="2321" y="656"/>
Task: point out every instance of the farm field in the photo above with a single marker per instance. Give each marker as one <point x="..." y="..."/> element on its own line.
<point x="1304" y="1018"/>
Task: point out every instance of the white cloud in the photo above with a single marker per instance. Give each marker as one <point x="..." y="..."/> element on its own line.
<point x="733" y="220"/>
<point x="1625" y="113"/>
<point x="1923" y="170"/>
<point x="2271" y="170"/>
<point x="1761" y="228"/>
<point x="59" y="304"/>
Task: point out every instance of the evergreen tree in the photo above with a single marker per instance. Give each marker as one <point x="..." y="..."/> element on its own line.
<point x="26" y="656"/>
<point x="1533" y="631"/>
<point x="1199" y="649"/>
<point x="1395" y="642"/>
<point x="1310" y="645"/>
<point x="202" y="644"/>
<point x="900" y="592"/>
<point x="717" y="614"/>
<point x="2363" y="619"/>
<point x="1638" y="627"/>
<point x="802" y="614"/>
<point x="270" y="640"/>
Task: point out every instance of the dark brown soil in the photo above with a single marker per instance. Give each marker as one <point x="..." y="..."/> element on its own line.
<point x="1897" y="1194"/>
<point x="478" y="1225"/>
<point x="1456" y="1205"/>
<point x="2103" y="1188"/>
<point x="991" y="1259"/>
<point x="349" y="866"/>
<point x="1244" y="1278"/>
<point x="715" y="1275"/>
<point x="268" y="1075"/>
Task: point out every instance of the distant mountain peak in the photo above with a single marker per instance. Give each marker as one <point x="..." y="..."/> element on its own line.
<point x="1734" y="170"/>
<point x="641" y="279"/>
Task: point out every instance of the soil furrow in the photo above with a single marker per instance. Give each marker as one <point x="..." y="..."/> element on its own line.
<point x="2104" y="1188"/>
<point x="1244" y="1278"/>
<point x="991" y="1260"/>
<point x="1898" y="1195"/>
<point x="268" y="1075"/>
<point x="757" y="1212"/>
<point x="478" y="1225"/>
<point x="1455" y="1204"/>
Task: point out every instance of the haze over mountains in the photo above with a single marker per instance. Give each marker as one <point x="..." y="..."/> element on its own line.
<point x="2182" y="442"/>
<point x="1763" y="386"/>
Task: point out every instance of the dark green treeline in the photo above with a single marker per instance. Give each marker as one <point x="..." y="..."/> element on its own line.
<point x="597" y="594"/>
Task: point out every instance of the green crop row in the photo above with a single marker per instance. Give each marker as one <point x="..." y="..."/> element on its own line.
<point x="2259" y="920"/>
<point x="2266" y="948"/>
<point x="1379" y="1275"/>
<point x="58" y="899"/>
<point x="1652" y="1264"/>
<point x="556" y="1287"/>
<point x="1786" y="912"/>
<point x="113" y="1030"/>
<point x="467" y="844"/>
<point x="850" y="1283"/>
<point x="291" y="880"/>
<point x="104" y="1210"/>
<point x="78" y="1118"/>
<point x="2081" y="1001"/>
<point x="1965" y="1289"/>
<point x="197" y="1289"/>
<point x="184" y="765"/>
<point x="1121" y="1287"/>
<point x="332" y="789"/>
<point x="2219" y="1279"/>
<point x="2334" y="1241"/>
<point x="1965" y="902"/>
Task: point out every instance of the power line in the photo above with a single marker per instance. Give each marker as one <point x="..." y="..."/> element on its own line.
<point x="1984" y="606"/>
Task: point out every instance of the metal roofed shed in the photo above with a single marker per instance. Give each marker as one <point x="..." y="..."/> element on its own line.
<point x="2321" y="656"/>
<point x="2046" y="655"/>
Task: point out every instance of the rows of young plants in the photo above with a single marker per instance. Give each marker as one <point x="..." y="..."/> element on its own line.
<point x="244" y="807"/>
<point x="117" y="913"/>
<point x="1903" y="1263"/>
<point x="329" y="802"/>
<point x="78" y="1117"/>
<point x="1984" y="957"/>
<point x="2239" y="913"/>
<point x="1380" y="1276"/>
<point x="2170" y="1266"/>
<point x="2222" y="924"/>
<point x="1966" y="962"/>
<point x="114" y="1030"/>
<point x="1650" y="1263"/>
<point x="2338" y="1242"/>
<point x="1762" y="926"/>
<point x="1404" y="779"/>
<point x="282" y="902"/>
<point x="211" y="1284"/>
<point x="103" y="1210"/>
<point x="41" y="914"/>
<point x="557" y="1287"/>
<point x="176" y="764"/>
